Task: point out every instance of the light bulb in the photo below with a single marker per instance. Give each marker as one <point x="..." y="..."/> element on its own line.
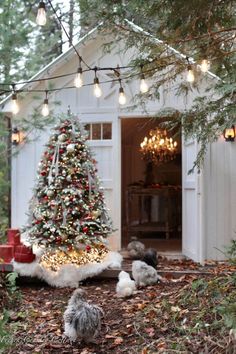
<point x="205" y="65"/>
<point x="41" y="15"/>
<point x="78" y="78"/>
<point x="15" y="106"/>
<point x="96" y="88"/>
<point x="143" y="85"/>
<point x="122" y="97"/>
<point x="45" y="109"/>
<point x="190" y="74"/>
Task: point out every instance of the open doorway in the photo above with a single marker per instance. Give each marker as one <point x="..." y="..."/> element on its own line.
<point x="151" y="209"/>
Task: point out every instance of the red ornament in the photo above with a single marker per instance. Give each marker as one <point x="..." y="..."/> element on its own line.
<point x="45" y="198"/>
<point x="69" y="247"/>
<point x="61" y="151"/>
<point x="88" y="248"/>
<point x="58" y="239"/>
<point x="85" y="229"/>
<point x="43" y="173"/>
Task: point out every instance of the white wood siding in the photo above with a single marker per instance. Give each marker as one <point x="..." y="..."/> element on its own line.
<point x="220" y="197"/>
<point x="216" y="210"/>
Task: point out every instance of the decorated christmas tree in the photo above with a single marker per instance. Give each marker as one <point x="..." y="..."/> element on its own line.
<point x="69" y="220"/>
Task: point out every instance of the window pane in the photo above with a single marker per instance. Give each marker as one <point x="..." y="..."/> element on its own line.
<point x="87" y="130"/>
<point x="96" y="131"/>
<point x="106" y="131"/>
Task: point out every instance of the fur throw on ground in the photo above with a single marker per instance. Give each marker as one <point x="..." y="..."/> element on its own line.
<point x="68" y="275"/>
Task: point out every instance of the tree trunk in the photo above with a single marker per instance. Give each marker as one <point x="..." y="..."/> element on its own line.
<point x="71" y="21"/>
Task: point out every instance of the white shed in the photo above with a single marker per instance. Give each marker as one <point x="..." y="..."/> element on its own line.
<point x="206" y="209"/>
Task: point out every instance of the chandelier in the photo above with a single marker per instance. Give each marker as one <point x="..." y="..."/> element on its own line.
<point x="158" y="147"/>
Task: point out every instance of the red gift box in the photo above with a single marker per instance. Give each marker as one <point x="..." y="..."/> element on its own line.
<point x="13" y="237"/>
<point x="7" y="253"/>
<point x="24" y="254"/>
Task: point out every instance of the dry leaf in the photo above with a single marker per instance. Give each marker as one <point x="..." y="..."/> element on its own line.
<point x="150" y="331"/>
<point x="118" y="341"/>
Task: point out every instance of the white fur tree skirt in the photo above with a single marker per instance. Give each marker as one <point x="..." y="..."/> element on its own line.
<point x="68" y="275"/>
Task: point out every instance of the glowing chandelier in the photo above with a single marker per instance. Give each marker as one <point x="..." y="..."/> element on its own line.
<point x="158" y="147"/>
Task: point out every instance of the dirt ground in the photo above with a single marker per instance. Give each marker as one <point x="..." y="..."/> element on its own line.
<point x="175" y="316"/>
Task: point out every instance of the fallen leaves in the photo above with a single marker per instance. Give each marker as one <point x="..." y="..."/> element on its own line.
<point x="150" y="331"/>
<point x="155" y="320"/>
<point x="118" y="341"/>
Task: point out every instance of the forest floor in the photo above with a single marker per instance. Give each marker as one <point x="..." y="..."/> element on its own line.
<point x="190" y="314"/>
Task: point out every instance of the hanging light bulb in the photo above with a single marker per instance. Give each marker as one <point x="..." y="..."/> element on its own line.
<point x="78" y="78"/>
<point x="190" y="74"/>
<point x="122" y="97"/>
<point x="41" y="18"/>
<point x="96" y="87"/>
<point x="205" y="65"/>
<point x="143" y="84"/>
<point x="14" y="106"/>
<point x="45" y="109"/>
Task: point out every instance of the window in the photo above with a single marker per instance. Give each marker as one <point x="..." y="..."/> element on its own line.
<point x="99" y="131"/>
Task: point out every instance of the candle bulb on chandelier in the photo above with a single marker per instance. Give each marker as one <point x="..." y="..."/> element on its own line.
<point x="41" y="18"/>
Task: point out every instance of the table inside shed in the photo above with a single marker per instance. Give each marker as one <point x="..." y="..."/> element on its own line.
<point x="153" y="210"/>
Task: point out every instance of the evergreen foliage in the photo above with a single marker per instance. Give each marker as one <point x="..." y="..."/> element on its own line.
<point x="24" y="49"/>
<point x="197" y="29"/>
<point x="68" y="208"/>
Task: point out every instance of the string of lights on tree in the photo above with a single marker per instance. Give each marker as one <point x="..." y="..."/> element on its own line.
<point x="41" y="20"/>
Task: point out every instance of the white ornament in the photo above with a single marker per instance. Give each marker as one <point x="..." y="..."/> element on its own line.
<point x="50" y="193"/>
<point x="70" y="148"/>
<point x="62" y="137"/>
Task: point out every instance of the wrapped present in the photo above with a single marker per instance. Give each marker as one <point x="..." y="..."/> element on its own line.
<point x="23" y="254"/>
<point x="6" y="253"/>
<point x="13" y="237"/>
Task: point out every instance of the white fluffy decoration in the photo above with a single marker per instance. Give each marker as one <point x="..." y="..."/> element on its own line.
<point x="125" y="286"/>
<point x="68" y="275"/>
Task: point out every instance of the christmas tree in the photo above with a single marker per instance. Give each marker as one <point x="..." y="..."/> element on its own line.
<point x="69" y="219"/>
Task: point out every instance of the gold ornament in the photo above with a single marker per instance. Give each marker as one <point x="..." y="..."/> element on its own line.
<point x="96" y="213"/>
<point x="64" y="237"/>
